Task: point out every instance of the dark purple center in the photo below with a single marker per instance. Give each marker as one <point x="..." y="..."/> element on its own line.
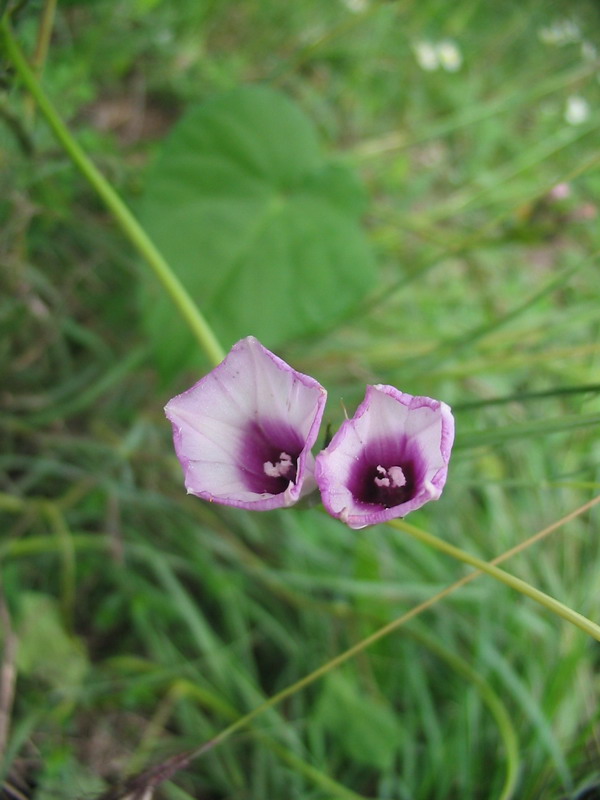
<point x="269" y="458"/>
<point x="387" y="473"/>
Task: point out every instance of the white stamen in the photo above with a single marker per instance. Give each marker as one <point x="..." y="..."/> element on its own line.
<point x="384" y="480"/>
<point x="281" y="468"/>
<point x="397" y="476"/>
<point x="393" y="477"/>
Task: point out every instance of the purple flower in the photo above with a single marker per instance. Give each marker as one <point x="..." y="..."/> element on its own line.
<point x="389" y="459"/>
<point x="243" y="433"/>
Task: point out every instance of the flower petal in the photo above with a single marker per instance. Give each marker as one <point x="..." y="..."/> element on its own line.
<point x="388" y="460"/>
<point x="243" y="433"/>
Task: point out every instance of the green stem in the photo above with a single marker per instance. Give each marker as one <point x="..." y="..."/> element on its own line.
<point x="121" y="213"/>
<point x="558" y="608"/>
<point x="548" y="602"/>
<point x="66" y="549"/>
<point x="41" y="52"/>
<point x="324" y="669"/>
<point x="495" y="706"/>
<point x="156" y="775"/>
<point x="44" y="35"/>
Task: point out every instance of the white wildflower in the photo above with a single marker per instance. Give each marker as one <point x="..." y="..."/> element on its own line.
<point x="588" y="51"/>
<point x="577" y="110"/>
<point x="356" y="6"/>
<point x="426" y="55"/>
<point x="564" y="31"/>
<point x="433" y="55"/>
<point x="449" y="55"/>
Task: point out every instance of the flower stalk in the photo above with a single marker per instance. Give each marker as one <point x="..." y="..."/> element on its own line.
<point x="156" y="775"/>
<point x="119" y="210"/>
<point x="550" y="603"/>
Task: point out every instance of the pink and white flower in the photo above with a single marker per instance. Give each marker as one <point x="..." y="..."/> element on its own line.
<point x="388" y="460"/>
<point x="243" y="434"/>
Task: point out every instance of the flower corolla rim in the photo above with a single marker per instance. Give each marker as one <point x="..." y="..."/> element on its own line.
<point x="223" y="426"/>
<point x="388" y="426"/>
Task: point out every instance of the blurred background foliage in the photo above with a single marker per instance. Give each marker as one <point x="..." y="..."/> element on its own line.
<point x="414" y="190"/>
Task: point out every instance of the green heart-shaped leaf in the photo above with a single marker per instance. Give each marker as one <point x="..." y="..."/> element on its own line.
<point x="263" y="231"/>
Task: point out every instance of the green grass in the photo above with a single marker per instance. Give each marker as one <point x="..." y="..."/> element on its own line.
<point x="147" y="622"/>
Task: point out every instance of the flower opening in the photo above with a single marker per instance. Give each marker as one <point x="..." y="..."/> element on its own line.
<point x="244" y="432"/>
<point x="388" y="460"/>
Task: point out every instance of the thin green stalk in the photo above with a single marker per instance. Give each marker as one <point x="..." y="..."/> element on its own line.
<point x="351" y="21"/>
<point x="550" y="603"/>
<point x="41" y="51"/>
<point x="476" y="113"/>
<point x="66" y="549"/>
<point x="482" y="567"/>
<point x="162" y="772"/>
<point x="44" y="35"/>
<point x="450" y="348"/>
<point x="156" y="775"/>
<point x="495" y="706"/>
<point x="182" y="688"/>
<point x="120" y="212"/>
<point x="522" y="397"/>
<point x="520" y="430"/>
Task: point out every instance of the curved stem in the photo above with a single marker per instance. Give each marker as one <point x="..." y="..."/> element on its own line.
<point x="482" y="567"/>
<point x="495" y="706"/>
<point x="155" y="775"/>
<point x="558" y="608"/>
<point x="120" y="212"/>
